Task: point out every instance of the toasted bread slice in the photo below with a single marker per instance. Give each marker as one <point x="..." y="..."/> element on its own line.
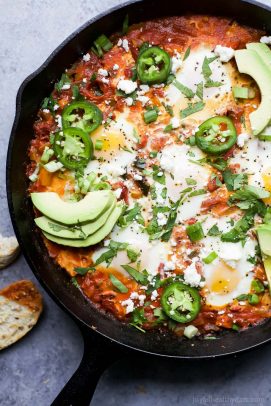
<point x="9" y="250"/>
<point x="20" y="308"/>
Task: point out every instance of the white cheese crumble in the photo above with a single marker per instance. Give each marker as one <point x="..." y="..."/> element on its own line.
<point x="176" y="62"/>
<point x="59" y="121"/>
<point x="143" y="89"/>
<point x="167" y="161"/>
<point x="116" y="67"/>
<point x="86" y="57"/>
<point x="141" y="298"/>
<point x="46" y="111"/>
<point x="129" y="304"/>
<point x="225" y="54"/>
<point x="242" y="139"/>
<point x="154" y="295"/>
<point x="191" y="276"/>
<point x="124" y="44"/>
<point x="161" y="219"/>
<point x="117" y="192"/>
<point x="169" y="266"/>
<point x="56" y="107"/>
<point x="175" y="122"/>
<point x="137" y="177"/>
<point x="266" y="40"/>
<point x="129" y="101"/>
<point x="103" y="72"/>
<point x="66" y="86"/>
<point x="104" y="80"/>
<point x="143" y="99"/>
<point x="127" y="86"/>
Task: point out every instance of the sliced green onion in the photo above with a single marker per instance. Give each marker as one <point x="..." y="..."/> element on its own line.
<point x="138" y="276"/>
<point x="53" y="166"/>
<point x="46" y="155"/>
<point x="153" y="154"/>
<point x="99" y="145"/>
<point x="150" y="116"/>
<point x="235" y="327"/>
<point x="118" y="284"/>
<point x="101" y="186"/>
<point x="125" y="25"/>
<point x="265" y="137"/>
<point x="190" y="331"/>
<point x="168" y="128"/>
<point x="253" y="299"/>
<point x="210" y="258"/>
<point x="195" y="232"/>
<point x="102" y="43"/>
<point x="34" y="175"/>
<point x="243" y="93"/>
<point x="257" y="286"/>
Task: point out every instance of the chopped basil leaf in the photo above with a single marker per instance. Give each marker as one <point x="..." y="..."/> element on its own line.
<point x="158" y="175"/>
<point x="190" y="182"/>
<point x="118" y="284"/>
<point x="138" y="276"/>
<point x="234" y="181"/>
<point x="199" y="91"/>
<point x="131" y="215"/>
<point x="214" y="231"/>
<point x="192" y="108"/>
<point x="82" y="271"/>
<point x="184" y="89"/>
<point x="186" y="54"/>
<point x="206" y="70"/>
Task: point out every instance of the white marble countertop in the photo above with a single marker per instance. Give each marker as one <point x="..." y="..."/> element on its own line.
<point x="33" y="371"/>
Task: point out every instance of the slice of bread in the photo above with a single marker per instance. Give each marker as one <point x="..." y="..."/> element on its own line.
<point x="9" y="250"/>
<point x="20" y="308"/>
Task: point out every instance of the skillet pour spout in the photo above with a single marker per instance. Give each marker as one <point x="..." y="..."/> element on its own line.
<point x="106" y="339"/>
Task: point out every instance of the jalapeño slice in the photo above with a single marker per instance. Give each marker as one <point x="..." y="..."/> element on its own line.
<point x="181" y="302"/>
<point x="73" y="147"/>
<point x="153" y="65"/>
<point x="216" y="135"/>
<point x="82" y="114"/>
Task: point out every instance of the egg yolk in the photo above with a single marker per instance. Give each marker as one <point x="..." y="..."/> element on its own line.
<point x="224" y="279"/>
<point x="267" y="183"/>
<point x="111" y="142"/>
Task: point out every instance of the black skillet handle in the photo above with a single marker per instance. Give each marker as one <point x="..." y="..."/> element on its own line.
<point x="99" y="354"/>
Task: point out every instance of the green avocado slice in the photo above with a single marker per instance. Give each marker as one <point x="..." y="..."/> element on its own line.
<point x="73" y="232"/>
<point x="264" y="237"/>
<point x="250" y="62"/>
<point x="89" y="208"/>
<point x="262" y="50"/>
<point x="93" y="239"/>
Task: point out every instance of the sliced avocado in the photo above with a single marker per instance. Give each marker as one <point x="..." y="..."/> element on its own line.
<point x="262" y="50"/>
<point x="89" y="208"/>
<point x="267" y="267"/>
<point x="264" y="236"/>
<point x="76" y="231"/>
<point x="93" y="239"/>
<point x="249" y="62"/>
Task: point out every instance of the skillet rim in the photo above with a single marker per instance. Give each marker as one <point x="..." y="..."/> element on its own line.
<point x="18" y="106"/>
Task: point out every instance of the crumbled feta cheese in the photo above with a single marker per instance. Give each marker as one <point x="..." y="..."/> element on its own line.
<point x="103" y="72"/>
<point x="176" y="62"/>
<point x="225" y="54"/>
<point x="154" y="295"/>
<point x="117" y="192"/>
<point x="46" y="111"/>
<point x="161" y="219"/>
<point x="66" y="86"/>
<point x="106" y="243"/>
<point x="191" y="276"/>
<point x="56" y="107"/>
<point x="167" y="161"/>
<point x="266" y="40"/>
<point x="137" y="177"/>
<point x="143" y="89"/>
<point x="129" y="101"/>
<point x="127" y="86"/>
<point x="124" y="44"/>
<point x="86" y="57"/>
<point x="159" y="174"/>
<point x="173" y="243"/>
<point x="59" y="121"/>
<point x="129" y="304"/>
<point x="175" y="122"/>
<point x="141" y="298"/>
<point x="116" y="67"/>
<point x="104" y="80"/>
<point x="190" y="331"/>
<point x="169" y="266"/>
<point x="115" y="171"/>
<point x="84" y="80"/>
<point x="143" y="99"/>
<point x="242" y="139"/>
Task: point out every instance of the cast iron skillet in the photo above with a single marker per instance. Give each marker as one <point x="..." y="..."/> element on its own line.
<point x="106" y="339"/>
